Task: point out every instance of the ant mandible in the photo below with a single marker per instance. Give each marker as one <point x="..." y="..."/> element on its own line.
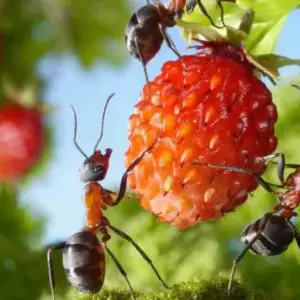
<point x="147" y="28"/>
<point x="83" y="253"/>
<point x="273" y="233"/>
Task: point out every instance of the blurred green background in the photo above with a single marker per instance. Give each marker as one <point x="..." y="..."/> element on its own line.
<point x="33" y="30"/>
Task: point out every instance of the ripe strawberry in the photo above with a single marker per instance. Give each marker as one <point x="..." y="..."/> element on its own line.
<point x="21" y="140"/>
<point x="209" y="108"/>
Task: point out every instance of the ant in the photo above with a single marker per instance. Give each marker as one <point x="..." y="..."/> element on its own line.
<point x="146" y="32"/>
<point x="273" y="233"/>
<point x="147" y="28"/>
<point x="83" y="254"/>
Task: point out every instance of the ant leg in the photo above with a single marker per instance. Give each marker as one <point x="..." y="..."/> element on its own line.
<point x="169" y="41"/>
<point x="110" y="192"/>
<point x="296" y="232"/>
<point x="171" y="45"/>
<point x="190" y="6"/>
<point x="281" y="164"/>
<point x="237" y="260"/>
<point x="292" y="166"/>
<point x="120" y="268"/>
<point x="296" y="86"/>
<point x="104" y="232"/>
<point x="281" y="167"/>
<point x="59" y="246"/>
<point x="139" y="249"/>
<point x="142" y="59"/>
<point x="266" y="185"/>
<point x="123" y="183"/>
<point x="219" y="3"/>
<point x="206" y="14"/>
<point x="261" y="225"/>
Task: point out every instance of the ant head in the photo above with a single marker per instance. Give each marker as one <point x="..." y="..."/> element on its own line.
<point x="95" y="167"/>
<point x="176" y="7"/>
<point x="167" y="16"/>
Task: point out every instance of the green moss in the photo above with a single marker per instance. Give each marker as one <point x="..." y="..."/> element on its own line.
<point x="194" y="290"/>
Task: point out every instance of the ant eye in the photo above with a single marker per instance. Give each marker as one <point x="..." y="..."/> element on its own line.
<point x="98" y="168"/>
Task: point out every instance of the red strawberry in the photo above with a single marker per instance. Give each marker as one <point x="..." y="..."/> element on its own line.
<point x="210" y="108"/>
<point x="21" y="140"/>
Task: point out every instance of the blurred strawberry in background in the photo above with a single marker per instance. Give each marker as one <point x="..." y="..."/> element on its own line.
<point x="21" y="140"/>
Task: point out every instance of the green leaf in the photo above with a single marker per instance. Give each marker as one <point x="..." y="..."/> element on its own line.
<point x="198" y="31"/>
<point x="268" y="10"/>
<point x="273" y="62"/>
<point x="236" y="36"/>
<point x="247" y="21"/>
<point x="263" y="36"/>
<point x="270" y="17"/>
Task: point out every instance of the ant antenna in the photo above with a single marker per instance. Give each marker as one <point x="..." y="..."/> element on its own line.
<point x="102" y="122"/>
<point x="296" y="86"/>
<point x="75" y="133"/>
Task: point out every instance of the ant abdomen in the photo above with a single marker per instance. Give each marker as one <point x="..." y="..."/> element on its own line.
<point x="143" y="29"/>
<point x="275" y="238"/>
<point x="84" y="262"/>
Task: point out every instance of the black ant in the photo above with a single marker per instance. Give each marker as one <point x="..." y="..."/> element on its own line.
<point x="146" y="32"/>
<point x="274" y="232"/>
<point x="268" y="236"/>
<point x="147" y="28"/>
<point x="83" y="254"/>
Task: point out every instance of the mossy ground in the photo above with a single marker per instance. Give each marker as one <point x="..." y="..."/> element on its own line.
<point x="192" y="290"/>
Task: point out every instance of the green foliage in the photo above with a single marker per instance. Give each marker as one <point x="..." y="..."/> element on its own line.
<point x="266" y="28"/>
<point x="195" y="289"/>
<point x="22" y="262"/>
<point x="268" y="25"/>
<point x="87" y="29"/>
<point x="23" y="269"/>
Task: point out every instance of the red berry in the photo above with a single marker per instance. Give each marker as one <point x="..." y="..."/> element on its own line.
<point x="209" y="108"/>
<point x="21" y="140"/>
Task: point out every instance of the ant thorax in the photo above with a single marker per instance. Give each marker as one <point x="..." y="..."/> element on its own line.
<point x="96" y="199"/>
<point x="293" y="180"/>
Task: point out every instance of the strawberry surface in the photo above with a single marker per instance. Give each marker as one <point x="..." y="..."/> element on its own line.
<point x="21" y="140"/>
<point x="209" y="108"/>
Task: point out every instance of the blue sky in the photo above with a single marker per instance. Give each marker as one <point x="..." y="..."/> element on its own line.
<point x="58" y="194"/>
